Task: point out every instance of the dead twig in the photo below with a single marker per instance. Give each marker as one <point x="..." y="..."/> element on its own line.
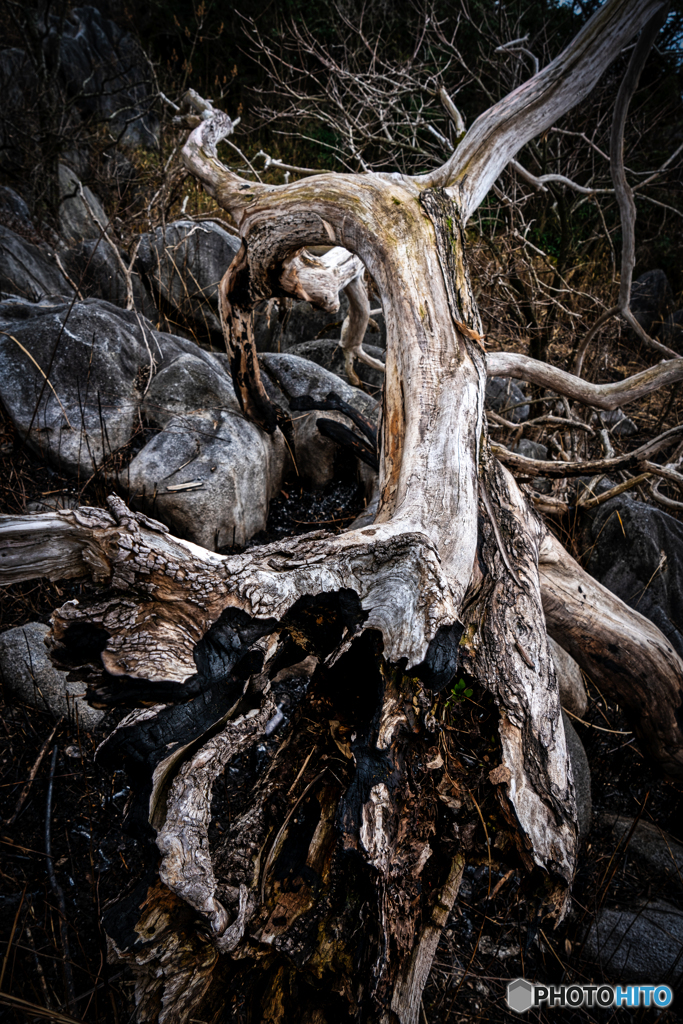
<point x="57" y="889"/>
<point x="11" y="937"/>
<point x="34" y="1010"/>
<point x="34" y="771"/>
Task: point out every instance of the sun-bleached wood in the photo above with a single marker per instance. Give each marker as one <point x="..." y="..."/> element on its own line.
<point x="602" y="396"/>
<point x="498" y="134"/>
<point x="454" y="546"/>
<point x="617" y="647"/>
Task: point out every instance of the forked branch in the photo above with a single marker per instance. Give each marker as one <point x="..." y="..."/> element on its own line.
<point x="498" y="134"/>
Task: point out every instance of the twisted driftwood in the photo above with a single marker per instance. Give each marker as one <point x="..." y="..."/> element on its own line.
<point x="326" y="894"/>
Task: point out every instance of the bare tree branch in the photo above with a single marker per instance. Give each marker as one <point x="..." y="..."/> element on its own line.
<point x="498" y="134"/>
<point x="603" y="396"/>
<point x="624" y="193"/>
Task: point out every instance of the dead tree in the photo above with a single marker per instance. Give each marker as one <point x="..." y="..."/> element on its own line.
<point x="327" y="893"/>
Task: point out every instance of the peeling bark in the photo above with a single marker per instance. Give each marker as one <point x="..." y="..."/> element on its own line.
<point x="506" y="644"/>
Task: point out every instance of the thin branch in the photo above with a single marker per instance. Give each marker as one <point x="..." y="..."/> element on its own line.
<point x="623" y="191"/>
<point x="498" y="134"/>
<point x="452" y="111"/>
<point x="541" y="467"/>
<point x="515" y="46"/>
<point x="539" y="181"/>
<point x="603" y="396"/>
<point x="57" y="889"/>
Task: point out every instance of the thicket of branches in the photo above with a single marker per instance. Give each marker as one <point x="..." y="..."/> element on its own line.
<point x="349" y="86"/>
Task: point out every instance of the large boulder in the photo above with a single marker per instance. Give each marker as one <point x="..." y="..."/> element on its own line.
<point x="182" y="265"/>
<point x="209" y="473"/>
<point x="294" y="377"/>
<point x="534" y="450"/>
<point x="638" y="555"/>
<point x="93" y="268"/>
<point x="71" y="379"/>
<point x="106" y="73"/>
<point x="284" y="325"/>
<point x="327" y="352"/>
<point x="287" y="376"/>
<point x="651" y="300"/>
<point x="102" y="74"/>
<point x="29" y="271"/>
<point x="658" y="852"/>
<point x="638" y="944"/>
<point x="616" y="422"/>
<point x="28" y="675"/>
<point x="81" y="214"/>
<point x="14" y="212"/>
<point x="507" y="399"/>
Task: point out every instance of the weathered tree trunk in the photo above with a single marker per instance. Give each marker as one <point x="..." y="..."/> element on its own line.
<point x="318" y="658"/>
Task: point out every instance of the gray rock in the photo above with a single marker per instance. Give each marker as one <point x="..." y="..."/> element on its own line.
<point x="93" y="268"/>
<point x="287" y="376"/>
<point x="78" y="159"/>
<point x="581" y="484"/>
<point x="210" y="476"/>
<point x="229" y="467"/>
<point x="533" y="450"/>
<point x="506" y="398"/>
<point x="97" y="356"/>
<point x="29" y="271"/>
<point x="573" y="696"/>
<point x="192" y="382"/>
<point x="183" y="266"/>
<point x="105" y="71"/>
<point x="54" y="502"/>
<point x="651" y="300"/>
<point x="643" y="944"/>
<point x="638" y="555"/>
<point x="282" y="325"/>
<point x="209" y="473"/>
<point x="232" y="468"/>
<point x="650" y="846"/>
<point x="672" y="332"/>
<point x="28" y="675"/>
<point x="14" y="210"/>
<point x="582" y="775"/>
<point x="294" y="377"/>
<point x="14" y="309"/>
<point x="617" y="422"/>
<point x="80" y="216"/>
<point x="327" y="352"/>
